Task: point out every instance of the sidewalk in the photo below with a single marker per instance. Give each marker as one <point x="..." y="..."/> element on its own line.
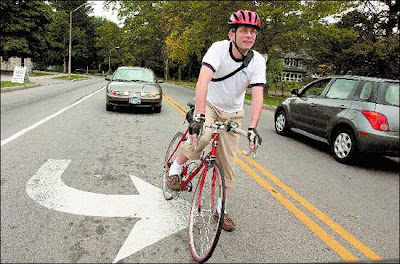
<point x="36" y="81"/>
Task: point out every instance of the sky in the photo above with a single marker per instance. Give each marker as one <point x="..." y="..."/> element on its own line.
<point x="100" y="12"/>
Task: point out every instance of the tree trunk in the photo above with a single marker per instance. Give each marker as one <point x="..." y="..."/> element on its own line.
<point x="265" y="55"/>
<point x="65" y="64"/>
<point x="180" y="72"/>
<point x="166" y="69"/>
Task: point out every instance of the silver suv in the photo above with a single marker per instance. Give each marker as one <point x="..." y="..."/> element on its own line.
<point x="353" y="114"/>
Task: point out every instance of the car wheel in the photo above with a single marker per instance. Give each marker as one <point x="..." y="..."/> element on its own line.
<point x="344" y="146"/>
<point x="157" y="109"/>
<point x="109" y="107"/>
<point x="281" y="124"/>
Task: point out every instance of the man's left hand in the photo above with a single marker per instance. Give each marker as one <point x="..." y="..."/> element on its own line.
<point x="254" y="139"/>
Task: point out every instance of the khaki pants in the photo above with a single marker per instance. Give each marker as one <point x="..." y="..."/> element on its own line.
<point x="227" y="143"/>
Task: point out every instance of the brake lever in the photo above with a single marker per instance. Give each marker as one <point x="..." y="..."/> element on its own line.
<point x="198" y="139"/>
<point x="247" y="153"/>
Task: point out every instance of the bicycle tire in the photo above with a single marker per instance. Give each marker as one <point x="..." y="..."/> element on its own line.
<point x="204" y="230"/>
<point x="168" y="193"/>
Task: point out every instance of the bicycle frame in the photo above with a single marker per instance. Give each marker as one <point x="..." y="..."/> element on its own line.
<point x="204" y="163"/>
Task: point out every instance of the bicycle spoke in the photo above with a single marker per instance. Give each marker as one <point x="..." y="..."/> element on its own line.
<point x="172" y="151"/>
<point x="204" y="231"/>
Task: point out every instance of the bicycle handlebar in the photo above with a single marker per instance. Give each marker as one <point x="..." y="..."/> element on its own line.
<point x="230" y="126"/>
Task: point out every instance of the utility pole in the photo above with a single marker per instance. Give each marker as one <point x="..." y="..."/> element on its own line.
<point x="70" y="37"/>
<point x="109" y="59"/>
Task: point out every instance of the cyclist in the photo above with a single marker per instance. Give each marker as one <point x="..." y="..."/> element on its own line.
<point x="220" y="92"/>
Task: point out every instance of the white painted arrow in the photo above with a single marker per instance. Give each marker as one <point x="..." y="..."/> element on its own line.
<point x="159" y="218"/>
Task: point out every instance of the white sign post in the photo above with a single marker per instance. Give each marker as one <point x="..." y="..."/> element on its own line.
<point x="20" y="75"/>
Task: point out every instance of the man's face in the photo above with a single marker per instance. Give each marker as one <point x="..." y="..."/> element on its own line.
<point x="245" y="37"/>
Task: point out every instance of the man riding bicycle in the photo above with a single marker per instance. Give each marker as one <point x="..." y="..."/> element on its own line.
<point x="228" y="68"/>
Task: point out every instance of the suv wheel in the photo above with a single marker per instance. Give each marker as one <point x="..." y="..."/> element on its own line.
<point x="281" y="125"/>
<point x="344" y="146"/>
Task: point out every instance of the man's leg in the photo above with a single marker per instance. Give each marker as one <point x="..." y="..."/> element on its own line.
<point x="188" y="152"/>
<point x="226" y="154"/>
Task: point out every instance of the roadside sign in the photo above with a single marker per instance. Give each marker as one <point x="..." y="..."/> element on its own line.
<point x="20" y="75"/>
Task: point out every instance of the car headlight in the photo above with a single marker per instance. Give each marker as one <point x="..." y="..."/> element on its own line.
<point x="114" y="92"/>
<point x="149" y="94"/>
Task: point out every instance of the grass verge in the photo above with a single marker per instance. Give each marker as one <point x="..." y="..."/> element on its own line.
<point x="71" y="77"/>
<point x="268" y="99"/>
<point x="5" y="84"/>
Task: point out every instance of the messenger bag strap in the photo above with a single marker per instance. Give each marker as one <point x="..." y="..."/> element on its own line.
<point x="246" y="62"/>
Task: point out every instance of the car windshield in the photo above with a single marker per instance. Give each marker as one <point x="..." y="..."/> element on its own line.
<point x="133" y="75"/>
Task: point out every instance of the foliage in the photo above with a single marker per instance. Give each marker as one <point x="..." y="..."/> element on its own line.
<point x="107" y="37"/>
<point x="275" y="69"/>
<point x="171" y="37"/>
<point x="24" y="28"/>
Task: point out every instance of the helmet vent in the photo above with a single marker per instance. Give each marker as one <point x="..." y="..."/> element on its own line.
<point x="243" y="16"/>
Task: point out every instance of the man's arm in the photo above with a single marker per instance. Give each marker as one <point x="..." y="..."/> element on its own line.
<point x="201" y="89"/>
<point x="257" y="102"/>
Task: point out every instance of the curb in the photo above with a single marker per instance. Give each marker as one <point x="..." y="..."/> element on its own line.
<point x="22" y="87"/>
<point x="19" y="87"/>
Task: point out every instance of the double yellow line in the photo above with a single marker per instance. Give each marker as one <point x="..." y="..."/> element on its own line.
<point x="336" y="246"/>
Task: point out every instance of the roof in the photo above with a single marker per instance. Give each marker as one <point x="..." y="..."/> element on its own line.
<point x="366" y="78"/>
<point x="133" y="67"/>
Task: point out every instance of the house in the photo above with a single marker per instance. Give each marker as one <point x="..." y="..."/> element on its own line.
<point x="10" y="63"/>
<point x="295" y="69"/>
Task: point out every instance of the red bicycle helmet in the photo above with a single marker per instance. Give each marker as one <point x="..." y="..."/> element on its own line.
<point x="245" y="18"/>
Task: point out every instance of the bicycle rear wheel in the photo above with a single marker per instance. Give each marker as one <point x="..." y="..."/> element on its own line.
<point x="204" y="225"/>
<point x="170" y="155"/>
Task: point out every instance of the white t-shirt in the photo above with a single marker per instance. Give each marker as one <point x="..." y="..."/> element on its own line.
<point x="228" y="95"/>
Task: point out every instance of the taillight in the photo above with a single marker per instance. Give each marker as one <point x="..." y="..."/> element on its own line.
<point x="377" y="120"/>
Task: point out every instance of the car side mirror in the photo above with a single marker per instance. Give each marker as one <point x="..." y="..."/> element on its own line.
<point x="295" y="92"/>
<point x="108" y="78"/>
<point x="160" y="81"/>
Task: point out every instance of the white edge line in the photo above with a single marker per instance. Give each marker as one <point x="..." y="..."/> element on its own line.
<point x="23" y="131"/>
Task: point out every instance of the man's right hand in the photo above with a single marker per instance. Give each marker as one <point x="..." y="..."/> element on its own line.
<point x="195" y="126"/>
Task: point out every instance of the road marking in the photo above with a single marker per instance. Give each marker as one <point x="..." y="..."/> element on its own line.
<point x="23" y="131"/>
<point x="158" y="218"/>
<point x="313" y="226"/>
<point x="181" y="109"/>
<point x="369" y="253"/>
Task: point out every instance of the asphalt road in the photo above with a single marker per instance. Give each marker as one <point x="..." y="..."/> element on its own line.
<point x="294" y="203"/>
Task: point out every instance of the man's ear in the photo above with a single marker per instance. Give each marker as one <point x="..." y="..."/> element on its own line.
<point x="231" y="35"/>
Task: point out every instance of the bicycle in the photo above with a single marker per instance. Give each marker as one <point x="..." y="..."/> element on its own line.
<point x="204" y="223"/>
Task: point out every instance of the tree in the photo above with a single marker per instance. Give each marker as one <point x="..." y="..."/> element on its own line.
<point x="24" y="28"/>
<point x="82" y="40"/>
<point x="108" y="36"/>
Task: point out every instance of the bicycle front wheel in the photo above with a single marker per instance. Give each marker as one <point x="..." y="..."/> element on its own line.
<point x="204" y="223"/>
<point x="170" y="156"/>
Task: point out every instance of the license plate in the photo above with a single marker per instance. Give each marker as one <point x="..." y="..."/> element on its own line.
<point x="134" y="100"/>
